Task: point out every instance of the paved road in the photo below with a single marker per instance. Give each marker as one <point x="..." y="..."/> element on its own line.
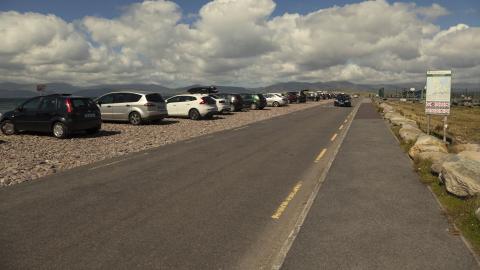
<point x="372" y="212"/>
<point x="205" y="203"/>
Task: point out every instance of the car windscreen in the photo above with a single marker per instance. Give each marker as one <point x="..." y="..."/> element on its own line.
<point x="154" y="98"/>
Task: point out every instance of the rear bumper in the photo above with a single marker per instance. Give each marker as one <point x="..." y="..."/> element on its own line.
<point x="154" y="115"/>
<point x="83" y="125"/>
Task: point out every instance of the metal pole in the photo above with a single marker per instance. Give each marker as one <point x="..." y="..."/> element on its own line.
<point x="428" y="124"/>
<point x="445" y="129"/>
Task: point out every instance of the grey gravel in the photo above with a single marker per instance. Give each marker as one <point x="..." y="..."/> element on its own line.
<point x="28" y="157"/>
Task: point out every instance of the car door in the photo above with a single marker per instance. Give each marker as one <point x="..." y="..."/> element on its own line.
<point x="25" y="115"/>
<point x="186" y="103"/>
<point x="123" y="105"/>
<point x="105" y="104"/>
<point x="47" y="111"/>
<point x="172" y="106"/>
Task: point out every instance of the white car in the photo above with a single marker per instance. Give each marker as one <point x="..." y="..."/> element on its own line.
<point x="194" y="106"/>
<point x="276" y="100"/>
<point x="223" y="105"/>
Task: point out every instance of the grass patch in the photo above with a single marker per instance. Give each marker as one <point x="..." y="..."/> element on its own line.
<point x="463" y="122"/>
<point x="459" y="211"/>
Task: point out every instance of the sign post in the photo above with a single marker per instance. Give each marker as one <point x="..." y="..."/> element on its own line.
<point x="437" y="101"/>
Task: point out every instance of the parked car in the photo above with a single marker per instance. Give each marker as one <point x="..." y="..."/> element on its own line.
<point x="259" y="102"/>
<point x="247" y="100"/>
<point x="342" y="100"/>
<point x="135" y="107"/>
<point x="58" y="114"/>
<point x="194" y="106"/>
<point x="223" y="104"/>
<point x="302" y="96"/>
<point x="235" y="101"/>
<point x="275" y="100"/>
<point x="292" y="97"/>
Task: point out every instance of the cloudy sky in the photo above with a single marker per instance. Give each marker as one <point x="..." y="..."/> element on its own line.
<point x="237" y="42"/>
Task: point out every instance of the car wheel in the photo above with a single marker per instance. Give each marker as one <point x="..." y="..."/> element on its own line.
<point x="135" y="118"/>
<point x="60" y="130"/>
<point x="253" y="106"/>
<point x="276" y="104"/>
<point x="8" y="127"/>
<point x="194" y="114"/>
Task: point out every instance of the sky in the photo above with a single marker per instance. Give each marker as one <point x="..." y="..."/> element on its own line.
<point x="237" y="42"/>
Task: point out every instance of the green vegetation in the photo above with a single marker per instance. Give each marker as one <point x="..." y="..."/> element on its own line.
<point x="460" y="212"/>
<point x="463" y="122"/>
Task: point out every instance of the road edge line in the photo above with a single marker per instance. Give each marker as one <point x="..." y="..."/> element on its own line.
<point x="280" y="258"/>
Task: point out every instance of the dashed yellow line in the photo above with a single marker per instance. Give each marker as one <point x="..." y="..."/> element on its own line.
<point x="321" y="155"/>
<point x="334" y="137"/>
<point x="287" y="200"/>
<point x="340" y="128"/>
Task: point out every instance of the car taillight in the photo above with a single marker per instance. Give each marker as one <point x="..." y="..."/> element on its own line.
<point x="203" y="100"/>
<point x="68" y="103"/>
<point x="149" y="104"/>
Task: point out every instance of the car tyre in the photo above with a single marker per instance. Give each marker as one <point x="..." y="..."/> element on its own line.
<point x="60" y="130"/>
<point x="276" y="104"/>
<point x="8" y="127"/>
<point x="135" y="118"/>
<point x="194" y="114"/>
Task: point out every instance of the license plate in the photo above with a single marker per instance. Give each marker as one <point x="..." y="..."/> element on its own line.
<point x="90" y="115"/>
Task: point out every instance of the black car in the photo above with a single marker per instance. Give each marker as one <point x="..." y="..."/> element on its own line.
<point x="59" y="114"/>
<point x="259" y="102"/>
<point x="247" y="100"/>
<point x="302" y="96"/>
<point x="236" y="101"/>
<point x="342" y="100"/>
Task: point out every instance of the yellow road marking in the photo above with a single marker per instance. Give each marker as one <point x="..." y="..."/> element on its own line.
<point x="333" y="137"/>
<point x="341" y="127"/>
<point x="287" y="200"/>
<point x="321" y="155"/>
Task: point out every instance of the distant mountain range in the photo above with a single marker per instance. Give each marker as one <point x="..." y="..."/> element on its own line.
<point x="14" y="90"/>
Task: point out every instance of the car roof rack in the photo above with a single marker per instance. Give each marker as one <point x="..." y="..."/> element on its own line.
<point x="203" y="90"/>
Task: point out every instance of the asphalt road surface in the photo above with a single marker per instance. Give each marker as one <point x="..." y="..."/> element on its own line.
<point x="222" y="201"/>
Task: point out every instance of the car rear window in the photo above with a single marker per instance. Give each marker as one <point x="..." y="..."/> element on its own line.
<point x="154" y="98"/>
<point x="82" y="103"/>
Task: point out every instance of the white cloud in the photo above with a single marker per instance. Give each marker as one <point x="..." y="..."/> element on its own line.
<point x="237" y="42"/>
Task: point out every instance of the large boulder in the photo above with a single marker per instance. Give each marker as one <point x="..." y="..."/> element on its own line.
<point x="437" y="159"/>
<point x="390" y="115"/>
<point x="401" y="121"/>
<point x="465" y="147"/>
<point x="409" y="133"/>
<point x="461" y="176"/>
<point x="427" y="143"/>
<point x="470" y="155"/>
<point x="386" y="108"/>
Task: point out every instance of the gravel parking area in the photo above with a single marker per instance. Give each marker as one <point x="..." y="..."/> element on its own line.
<point x="30" y="156"/>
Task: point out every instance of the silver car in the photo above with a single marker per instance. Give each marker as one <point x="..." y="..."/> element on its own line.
<point x="135" y="107"/>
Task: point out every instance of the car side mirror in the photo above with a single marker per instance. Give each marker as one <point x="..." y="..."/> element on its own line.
<point x="99" y="103"/>
<point x="19" y="109"/>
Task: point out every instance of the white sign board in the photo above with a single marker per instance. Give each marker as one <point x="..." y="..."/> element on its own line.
<point x="439" y="85"/>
